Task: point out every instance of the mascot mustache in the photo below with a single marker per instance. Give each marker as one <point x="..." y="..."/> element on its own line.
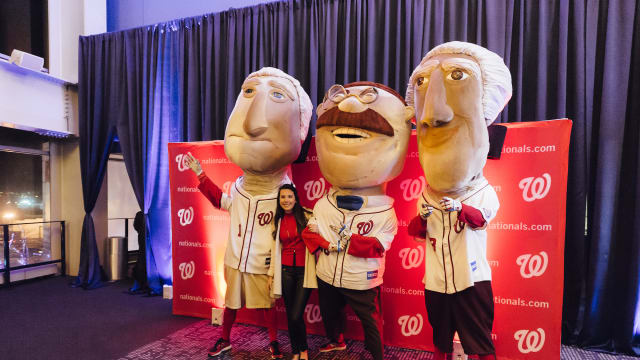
<point x="367" y="120"/>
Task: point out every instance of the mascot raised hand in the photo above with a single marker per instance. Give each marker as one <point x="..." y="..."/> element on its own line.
<point x="457" y="91"/>
<point x="362" y="137"/>
<point x="264" y="136"/>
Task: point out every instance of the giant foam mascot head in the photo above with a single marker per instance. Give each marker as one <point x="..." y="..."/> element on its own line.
<point x="362" y="135"/>
<point x="457" y="90"/>
<point x="268" y="124"/>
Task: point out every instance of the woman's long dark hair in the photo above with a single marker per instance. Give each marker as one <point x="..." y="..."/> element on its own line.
<point x="298" y="211"/>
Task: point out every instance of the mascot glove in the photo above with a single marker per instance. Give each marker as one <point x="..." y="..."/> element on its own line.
<point x="343" y="231"/>
<point x="194" y="164"/>
<point x="450" y="204"/>
<point x="335" y="247"/>
<point x="425" y="211"/>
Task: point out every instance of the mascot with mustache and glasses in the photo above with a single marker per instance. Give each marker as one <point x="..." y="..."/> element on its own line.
<point x="458" y="90"/>
<point x="362" y="137"/>
<point x="264" y="136"/>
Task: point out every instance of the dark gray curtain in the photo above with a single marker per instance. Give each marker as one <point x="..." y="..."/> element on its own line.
<point x="96" y="137"/>
<point x="576" y="59"/>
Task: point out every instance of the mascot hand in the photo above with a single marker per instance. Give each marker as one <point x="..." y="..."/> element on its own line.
<point x="425" y="211"/>
<point x="343" y="231"/>
<point x="194" y="164"/>
<point x="336" y="247"/>
<point x="450" y="204"/>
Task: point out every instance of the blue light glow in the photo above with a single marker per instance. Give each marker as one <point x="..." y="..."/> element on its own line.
<point x="636" y="321"/>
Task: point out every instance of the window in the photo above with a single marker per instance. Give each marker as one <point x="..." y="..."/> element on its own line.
<point x="22" y="187"/>
<point x="24" y="183"/>
<point x="24" y="196"/>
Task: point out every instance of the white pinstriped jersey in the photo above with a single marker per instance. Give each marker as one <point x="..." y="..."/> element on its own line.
<point x="251" y="227"/>
<point x="456" y="254"/>
<point x="376" y="218"/>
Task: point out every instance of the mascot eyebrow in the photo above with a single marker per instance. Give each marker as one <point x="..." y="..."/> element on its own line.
<point x="424" y="70"/>
<point x="254" y="81"/>
<point x="282" y="86"/>
<point x="427" y="68"/>
<point x="464" y="64"/>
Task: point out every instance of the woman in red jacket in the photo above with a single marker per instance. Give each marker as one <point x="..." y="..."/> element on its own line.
<point x="289" y="257"/>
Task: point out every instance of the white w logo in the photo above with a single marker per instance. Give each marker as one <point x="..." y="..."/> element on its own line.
<point x="313" y="313"/>
<point x="315" y="189"/>
<point x="410" y="325"/>
<point x="411" y="257"/>
<point x="534" y="189"/>
<point x="186" y="216"/>
<point x="531" y="266"/>
<point x="412" y="188"/>
<point x="187" y="270"/>
<point x="181" y="160"/>
<point x="529" y="340"/>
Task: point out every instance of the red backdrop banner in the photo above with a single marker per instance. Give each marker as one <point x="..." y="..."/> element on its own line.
<point x="525" y="242"/>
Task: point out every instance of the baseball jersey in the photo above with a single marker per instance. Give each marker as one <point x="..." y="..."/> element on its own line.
<point x="456" y="253"/>
<point x="376" y="218"/>
<point x="251" y="229"/>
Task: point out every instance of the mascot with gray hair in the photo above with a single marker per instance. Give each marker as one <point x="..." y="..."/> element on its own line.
<point x="457" y="91"/>
<point x="264" y="136"/>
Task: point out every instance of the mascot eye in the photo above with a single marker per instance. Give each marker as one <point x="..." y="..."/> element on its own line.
<point x="457" y="75"/>
<point x="368" y="95"/>
<point x="421" y="80"/>
<point x="277" y="95"/>
<point x="248" y="91"/>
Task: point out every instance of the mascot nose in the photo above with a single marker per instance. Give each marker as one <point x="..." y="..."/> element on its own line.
<point x="352" y="104"/>
<point x="436" y="112"/>
<point x="255" y="123"/>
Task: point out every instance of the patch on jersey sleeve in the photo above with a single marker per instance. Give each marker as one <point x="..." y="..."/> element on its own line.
<point x="372" y="274"/>
<point x="487" y="213"/>
<point x="474" y="265"/>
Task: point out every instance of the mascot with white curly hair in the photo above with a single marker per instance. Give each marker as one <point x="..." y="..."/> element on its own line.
<point x="264" y="135"/>
<point x="458" y="89"/>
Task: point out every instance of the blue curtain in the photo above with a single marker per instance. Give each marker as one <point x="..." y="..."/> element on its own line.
<point x="178" y="81"/>
<point x="96" y="135"/>
<point x="138" y="101"/>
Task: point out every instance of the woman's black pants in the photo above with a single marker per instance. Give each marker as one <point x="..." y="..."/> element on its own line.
<point x="295" y="300"/>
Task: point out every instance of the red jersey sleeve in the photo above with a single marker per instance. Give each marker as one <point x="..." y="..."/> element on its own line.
<point x="471" y="216"/>
<point x="365" y="247"/>
<point x="417" y="228"/>
<point x="313" y="240"/>
<point x="210" y="190"/>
